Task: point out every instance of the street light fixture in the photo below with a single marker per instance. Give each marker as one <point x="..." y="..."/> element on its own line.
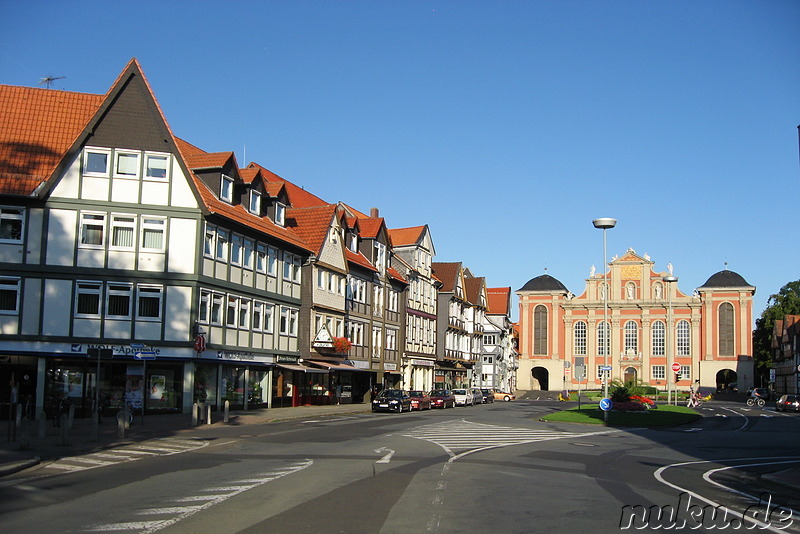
<point x="604" y="223"/>
<point x="669" y="280"/>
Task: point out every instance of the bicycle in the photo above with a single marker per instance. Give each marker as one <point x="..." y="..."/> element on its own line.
<point x="752" y="401"/>
<point x="125" y="415"/>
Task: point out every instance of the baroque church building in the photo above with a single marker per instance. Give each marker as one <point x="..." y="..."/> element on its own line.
<point x="646" y="328"/>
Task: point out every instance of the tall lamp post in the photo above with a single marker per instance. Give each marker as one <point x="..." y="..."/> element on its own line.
<point x="605" y="223"/>
<point x="669" y="280"/>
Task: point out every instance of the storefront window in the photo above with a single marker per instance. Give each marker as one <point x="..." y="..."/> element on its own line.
<point x="233" y="385"/>
<point x="257" y="387"/>
<point x="282" y="387"/>
<point x="205" y="384"/>
<point x="164" y="387"/>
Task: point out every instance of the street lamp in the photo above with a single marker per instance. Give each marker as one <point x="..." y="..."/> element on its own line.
<point x="605" y="223"/>
<point x="669" y="280"/>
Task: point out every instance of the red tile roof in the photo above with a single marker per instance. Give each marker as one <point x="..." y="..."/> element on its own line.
<point x="205" y="160"/>
<point x="447" y="273"/>
<point x="311" y="224"/>
<point x="298" y="197"/>
<point x="405" y="236"/>
<point x="370" y="226"/>
<point x="37" y="127"/>
<point x="396" y="275"/>
<point x="359" y="259"/>
<point x="498" y="300"/>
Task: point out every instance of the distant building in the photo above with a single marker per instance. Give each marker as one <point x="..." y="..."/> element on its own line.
<point x="707" y="333"/>
<point x="786" y="355"/>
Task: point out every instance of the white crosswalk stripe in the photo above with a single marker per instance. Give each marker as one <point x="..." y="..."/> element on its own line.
<point x="458" y="436"/>
<point x="131" y="453"/>
<point x="178" y="513"/>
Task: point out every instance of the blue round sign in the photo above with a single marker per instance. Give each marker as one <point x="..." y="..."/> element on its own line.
<point x="606" y="404"/>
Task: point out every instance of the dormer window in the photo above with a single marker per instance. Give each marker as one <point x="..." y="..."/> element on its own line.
<point x="380" y="256"/>
<point x="255" y="202"/>
<point x="280" y="214"/>
<point x="353" y="245"/>
<point x="226" y="189"/>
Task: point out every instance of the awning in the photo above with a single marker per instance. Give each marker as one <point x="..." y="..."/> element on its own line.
<point x="301" y="368"/>
<point x="334" y="366"/>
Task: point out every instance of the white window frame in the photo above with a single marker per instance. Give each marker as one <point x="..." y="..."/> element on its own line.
<point x="658" y="372"/>
<point x="137" y="156"/>
<point x="394" y="299"/>
<point x="223" y="245"/>
<point x="579" y="338"/>
<point x="659" y="337"/>
<point x="122" y="220"/>
<point x="261" y="258"/>
<point x="686" y="372"/>
<point x="683" y="339"/>
<point x="244" y="314"/>
<point x="289" y="318"/>
<point x="210" y="242"/>
<point x="377" y="341"/>
<point x="272" y="261"/>
<point x="258" y="316"/>
<point x="157" y="155"/>
<point x="280" y="214"/>
<point x="631" y="330"/>
<point x="269" y="317"/>
<point x="391" y="339"/>
<point x="10" y="215"/>
<point x="226" y="189"/>
<point x="84" y="287"/>
<point x="232" y="311"/>
<point x="153" y="223"/>
<point x="92" y="150"/>
<point x="254" y="205"/>
<point x="114" y="289"/>
<point x="204" y="309"/>
<point x="237" y="244"/>
<point x="100" y="220"/>
<point x="248" y="249"/>
<point x="9" y="284"/>
<point x="149" y="291"/>
<point x="216" y="315"/>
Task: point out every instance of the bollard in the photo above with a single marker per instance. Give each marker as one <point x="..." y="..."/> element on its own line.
<point x="121" y="422"/>
<point x="208" y="414"/>
<point x="195" y="408"/>
<point x="226" y="418"/>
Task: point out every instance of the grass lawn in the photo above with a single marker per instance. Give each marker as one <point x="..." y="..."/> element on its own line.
<point x="664" y="415"/>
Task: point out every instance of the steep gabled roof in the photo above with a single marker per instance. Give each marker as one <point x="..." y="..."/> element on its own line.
<point x="498" y="300"/>
<point x="311" y="224"/>
<point x="396" y="275"/>
<point x="473" y="287"/>
<point x="448" y="273"/>
<point x="298" y="197"/>
<point x="359" y="259"/>
<point x="406" y="236"/>
<point x="209" y="160"/>
<point x="37" y="128"/>
<point x="371" y="226"/>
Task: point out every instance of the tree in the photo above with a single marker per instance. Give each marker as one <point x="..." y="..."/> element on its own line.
<point x="785" y="302"/>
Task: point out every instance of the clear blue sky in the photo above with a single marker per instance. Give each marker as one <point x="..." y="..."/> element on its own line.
<point x="505" y="126"/>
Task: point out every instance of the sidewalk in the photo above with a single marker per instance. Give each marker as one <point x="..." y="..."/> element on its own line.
<point x="14" y="456"/>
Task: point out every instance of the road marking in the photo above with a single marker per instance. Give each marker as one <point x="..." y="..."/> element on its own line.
<point x="180" y="513"/>
<point x="387" y="457"/>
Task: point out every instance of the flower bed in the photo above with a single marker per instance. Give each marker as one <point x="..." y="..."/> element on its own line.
<point x="629" y="406"/>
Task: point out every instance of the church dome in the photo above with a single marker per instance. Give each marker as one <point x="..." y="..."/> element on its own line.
<point x="726" y="278"/>
<point x="544" y="282"/>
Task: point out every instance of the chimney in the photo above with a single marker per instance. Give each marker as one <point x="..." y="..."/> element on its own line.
<point x="373" y="213"/>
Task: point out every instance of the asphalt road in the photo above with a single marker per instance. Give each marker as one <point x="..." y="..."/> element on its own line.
<point x="491" y="468"/>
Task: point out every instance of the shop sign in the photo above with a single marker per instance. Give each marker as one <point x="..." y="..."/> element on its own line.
<point x="243" y="356"/>
<point x="390" y="367"/>
<point x="422" y="363"/>
<point x="323" y="339"/>
<point x="283" y="358"/>
<point x="359" y="364"/>
<point x="126" y="350"/>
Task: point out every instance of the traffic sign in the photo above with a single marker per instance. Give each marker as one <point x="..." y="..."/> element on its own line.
<point x="605" y="367"/>
<point x="606" y="404"/>
<point x="145" y="355"/>
<point x="676" y="367"/>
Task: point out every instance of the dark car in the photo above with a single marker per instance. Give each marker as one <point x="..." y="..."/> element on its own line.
<point x="442" y="398"/>
<point x="788" y="402"/>
<point x="392" y="400"/>
<point x="488" y="395"/>
<point x="419" y="400"/>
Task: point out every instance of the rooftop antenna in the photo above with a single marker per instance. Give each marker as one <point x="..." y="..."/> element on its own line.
<point x="48" y="80"/>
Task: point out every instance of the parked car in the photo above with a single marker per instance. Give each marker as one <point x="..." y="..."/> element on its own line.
<point x="488" y="395"/>
<point x="392" y="400"/>
<point x="788" y="402"/>
<point x="504" y="396"/>
<point x="442" y="398"/>
<point x="419" y="400"/>
<point x="477" y="396"/>
<point x="464" y="397"/>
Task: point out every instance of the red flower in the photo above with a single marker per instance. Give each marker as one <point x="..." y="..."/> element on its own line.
<point x="341" y="344"/>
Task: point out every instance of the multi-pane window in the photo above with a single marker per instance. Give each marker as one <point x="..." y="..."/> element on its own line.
<point x="93" y="228"/>
<point x="255" y="202"/>
<point x="119" y="299"/>
<point x="683" y="338"/>
<point x="659" y="338"/>
<point x="291" y="267"/>
<point x="87" y="298"/>
<point x="580" y="338"/>
<point x="490" y="339"/>
<point x="127" y="165"/>
<point x="394" y="298"/>
<point x="9" y="295"/>
<point x="231" y="310"/>
<point x="603" y="339"/>
<point x="11" y="224"/>
<point x="658" y="372"/>
<point x="149" y="302"/>
<point x="686" y="372"/>
<point x="156" y="166"/>
<point x="153" y="229"/>
<point x="391" y="339"/>
<point x="96" y="162"/>
<point x="289" y="321"/>
<point x="540" y="330"/>
<point x="631" y="336"/>
<point x="726" y="329"/>
<point x="217" y="301"/>
<point x="226" y="189"/>
<point x="222" y="245"/>
<point x="123" y="231"/>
